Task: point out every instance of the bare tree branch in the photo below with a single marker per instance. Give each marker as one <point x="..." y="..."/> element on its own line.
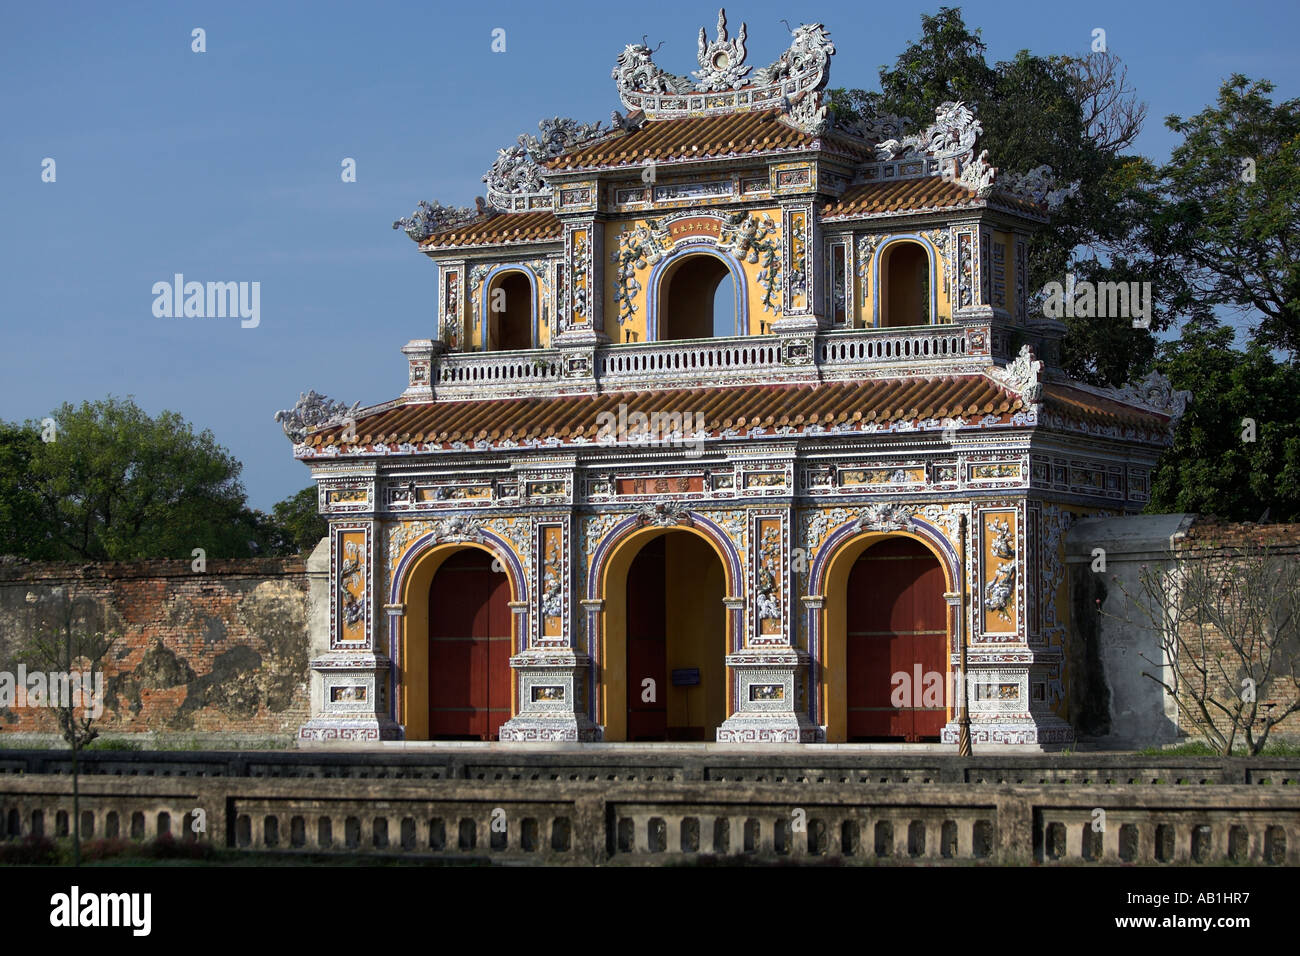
<point x="1111" y="111"/>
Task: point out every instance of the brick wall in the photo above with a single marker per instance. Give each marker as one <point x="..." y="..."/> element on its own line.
<point x="1213" y="544"/>
<point x="218" y="653"/>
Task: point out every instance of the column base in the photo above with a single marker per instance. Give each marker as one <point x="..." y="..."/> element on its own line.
<point x="551" y="691"/>
<point x="769" y="729"/>
<point x="321" y="731"/>
<point x="768" y="688"/>
<point x="1044" y="730"/>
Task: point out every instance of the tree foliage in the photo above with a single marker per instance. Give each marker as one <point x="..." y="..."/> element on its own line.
<point x="1214" y="229"/>
<point x="1224" y="214"/>
<point x="298" y="522"/>
<point x="118" y="484"/>
<point x="1236" y="452"/>
<point x="1074" y="114"/>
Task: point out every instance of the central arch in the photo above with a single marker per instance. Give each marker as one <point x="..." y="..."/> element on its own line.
<point x="697" y="629"/>
<point x="676" y="640"/>
<point x="896" y="668"/>
<point x="686" y="289"/>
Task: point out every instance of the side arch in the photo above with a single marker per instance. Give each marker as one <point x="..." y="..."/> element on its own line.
<point x="408" y="691"/>
<point x="877" y="285"/>
<point x="485" y="304"/>
<point x="827" y="618"/>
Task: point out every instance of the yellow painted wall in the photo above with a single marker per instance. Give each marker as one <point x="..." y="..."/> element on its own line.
<point x="696" y="623"/>
<point x="637" y="323"/>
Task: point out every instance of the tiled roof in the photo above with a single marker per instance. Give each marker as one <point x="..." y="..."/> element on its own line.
<point x="699" y="137"/>
<point x="900" y="195"/>
<point x="1082" y="403"/>
<point x="855" y="404"/>
<point x="912" y="195"/>
<point x="502" y="228"/>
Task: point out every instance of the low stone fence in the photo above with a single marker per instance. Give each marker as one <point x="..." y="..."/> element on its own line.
<point x="663" y="809"/>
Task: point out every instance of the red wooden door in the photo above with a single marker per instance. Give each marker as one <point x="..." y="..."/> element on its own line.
<point x="897" y="625"/>
<point x="469" y="649"/>
<point x="647" y="645"/>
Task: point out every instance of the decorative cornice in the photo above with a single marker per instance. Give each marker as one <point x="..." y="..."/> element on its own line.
<point x="1038" y="186"/>
<point x="430" y="217"/>
<point x="516" y="181"/>
<point x="1154" y="392"/>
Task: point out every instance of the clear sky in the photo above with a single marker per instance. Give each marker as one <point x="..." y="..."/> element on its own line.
<point x="225" y="166"/>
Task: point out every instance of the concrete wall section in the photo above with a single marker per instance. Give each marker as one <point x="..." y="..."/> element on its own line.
<point x="1114" y="704"/>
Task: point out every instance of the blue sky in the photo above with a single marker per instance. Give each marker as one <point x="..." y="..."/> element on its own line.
<point x="225" y="166"/>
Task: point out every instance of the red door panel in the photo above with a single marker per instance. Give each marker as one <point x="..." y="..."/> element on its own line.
<point x="469" y="648"/>
<point x="896" y="625"/>
<point x="647" y="646"/>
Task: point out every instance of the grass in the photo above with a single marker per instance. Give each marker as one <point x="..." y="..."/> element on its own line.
<point x="165" y="851"/>
<point x="1201" y="749"/>
<point x="151" y="742"/>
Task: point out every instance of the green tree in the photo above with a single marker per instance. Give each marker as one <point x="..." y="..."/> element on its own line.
<point x="1075" y="114"/>
<point x="1223" y="223"/>
<point x="117" y="484"/>
<point x="1212" y="467"/>
<point x="74" y="645"/>
<point x="22" y="528"/>
<point x="298" y="524"/>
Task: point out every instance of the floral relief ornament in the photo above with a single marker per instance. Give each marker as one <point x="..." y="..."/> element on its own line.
<point x="997" y="593"/>
<point x="768" y="600"/>
<point x="352" y="583"/>
<point x="885" y="517"/>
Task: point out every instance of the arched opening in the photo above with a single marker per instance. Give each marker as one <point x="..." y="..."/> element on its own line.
<point x="509" y="308"/>
<point x="469" y="648"/>
<point x="904" y="285"/>
<point x="896" y="644"/>
<point x="848" y="606"/>
<point x="466" y="603"/>
<point x="676" y="640"/>
<point x="694" y="301"/>
<point x="663" y="674"/>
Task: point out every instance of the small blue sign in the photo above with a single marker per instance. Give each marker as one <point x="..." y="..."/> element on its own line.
<point x="686" y="677"/>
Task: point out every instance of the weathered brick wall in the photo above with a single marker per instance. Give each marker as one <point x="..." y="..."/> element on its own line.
<point x="223" y="651"/>
<point x="1218" y="543"/>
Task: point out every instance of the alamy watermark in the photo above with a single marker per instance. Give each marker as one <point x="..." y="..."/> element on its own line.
<point x="60" y="689"/>
<point x="213" y="300"/>
<point x="657" y="428"/>
<point x="1087" y="300"/>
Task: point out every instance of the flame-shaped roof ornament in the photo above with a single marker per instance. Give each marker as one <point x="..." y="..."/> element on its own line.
<point x="793" y="83"/>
